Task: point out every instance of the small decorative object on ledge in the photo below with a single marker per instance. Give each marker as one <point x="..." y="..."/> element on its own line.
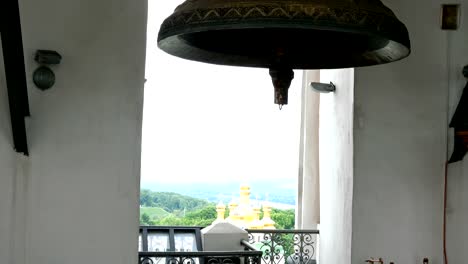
<point x="372" y="260"/>
<point x="44" y="77"/>
<point x="460" y="124"/>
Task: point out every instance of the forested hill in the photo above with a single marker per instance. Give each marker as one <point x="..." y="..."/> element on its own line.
<point x="173" y="209"/>
<point x="170" y="201"/>
<point x="275" y="191"/>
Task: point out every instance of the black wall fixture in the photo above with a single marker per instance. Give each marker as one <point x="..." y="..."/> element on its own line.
<point x="460" y="124"/>
<point x="44" y="77"/>
<point x="15" y="73"/>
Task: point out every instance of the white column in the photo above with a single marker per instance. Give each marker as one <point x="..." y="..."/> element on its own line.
<point x="308" y="213"/>
<point x="336" y="167"/>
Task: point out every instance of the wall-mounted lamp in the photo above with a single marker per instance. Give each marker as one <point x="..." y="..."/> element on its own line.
<point x="450" y="17"/>
<point x="323" y="87"/>
<point x="44" y="77"/>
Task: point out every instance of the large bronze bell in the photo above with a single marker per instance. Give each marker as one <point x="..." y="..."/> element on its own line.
<point x="285" y="34"/>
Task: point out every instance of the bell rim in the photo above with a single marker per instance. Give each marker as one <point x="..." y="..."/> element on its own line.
<point x="401" y="37"/>
<point x="389" y="28"/>
<point x="364" y="20"/>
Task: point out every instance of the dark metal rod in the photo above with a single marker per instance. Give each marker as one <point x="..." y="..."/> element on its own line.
<point x="277" y="231"/>
<point x="15" y="73"/>
<point x="200" y="254"/>
<point x="159" y="228"/>
<point x="144" y="239"/>
<point x="171" y="239"/>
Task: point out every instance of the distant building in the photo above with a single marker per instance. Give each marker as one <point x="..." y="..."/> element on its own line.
<point x="244" y="214"/>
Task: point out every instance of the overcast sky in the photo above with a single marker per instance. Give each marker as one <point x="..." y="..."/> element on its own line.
<point x="213" y="123"/>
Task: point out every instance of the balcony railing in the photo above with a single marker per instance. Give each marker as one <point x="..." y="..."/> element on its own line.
<point x="202" y="257"/>
<point x="182" y="245"/>
<point x="285" y="246"/>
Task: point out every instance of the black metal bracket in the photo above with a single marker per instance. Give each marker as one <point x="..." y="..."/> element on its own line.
<point x="47" y="57"/>
<point x="15" y="73"/>
<point x="323" y="87"/>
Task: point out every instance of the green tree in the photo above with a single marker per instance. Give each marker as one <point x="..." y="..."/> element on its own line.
<point x="284" y="219"/>
<point x="200" y="217"/>
<point x="146" y="198"/>
<point x="145" y="219"/>
<point x="170" y="220"/>
<point x="170" y="201"/>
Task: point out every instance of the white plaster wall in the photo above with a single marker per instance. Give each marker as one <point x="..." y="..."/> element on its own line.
<point x="7" y="171"/>
<point x="457" y="204"/>
<point x="78" y="191"/>
<point x="336" y="167"/>
<point x="399" y="146"/>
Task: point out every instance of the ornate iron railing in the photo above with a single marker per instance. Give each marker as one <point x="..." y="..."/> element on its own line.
<point x="285" y="246"/>
<point x="202" y="257"/>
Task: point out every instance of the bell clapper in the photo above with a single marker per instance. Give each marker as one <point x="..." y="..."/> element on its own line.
<point x="281" y="78"/>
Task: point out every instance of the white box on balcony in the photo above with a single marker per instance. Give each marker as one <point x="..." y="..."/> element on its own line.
<point x="223" y="236"/>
